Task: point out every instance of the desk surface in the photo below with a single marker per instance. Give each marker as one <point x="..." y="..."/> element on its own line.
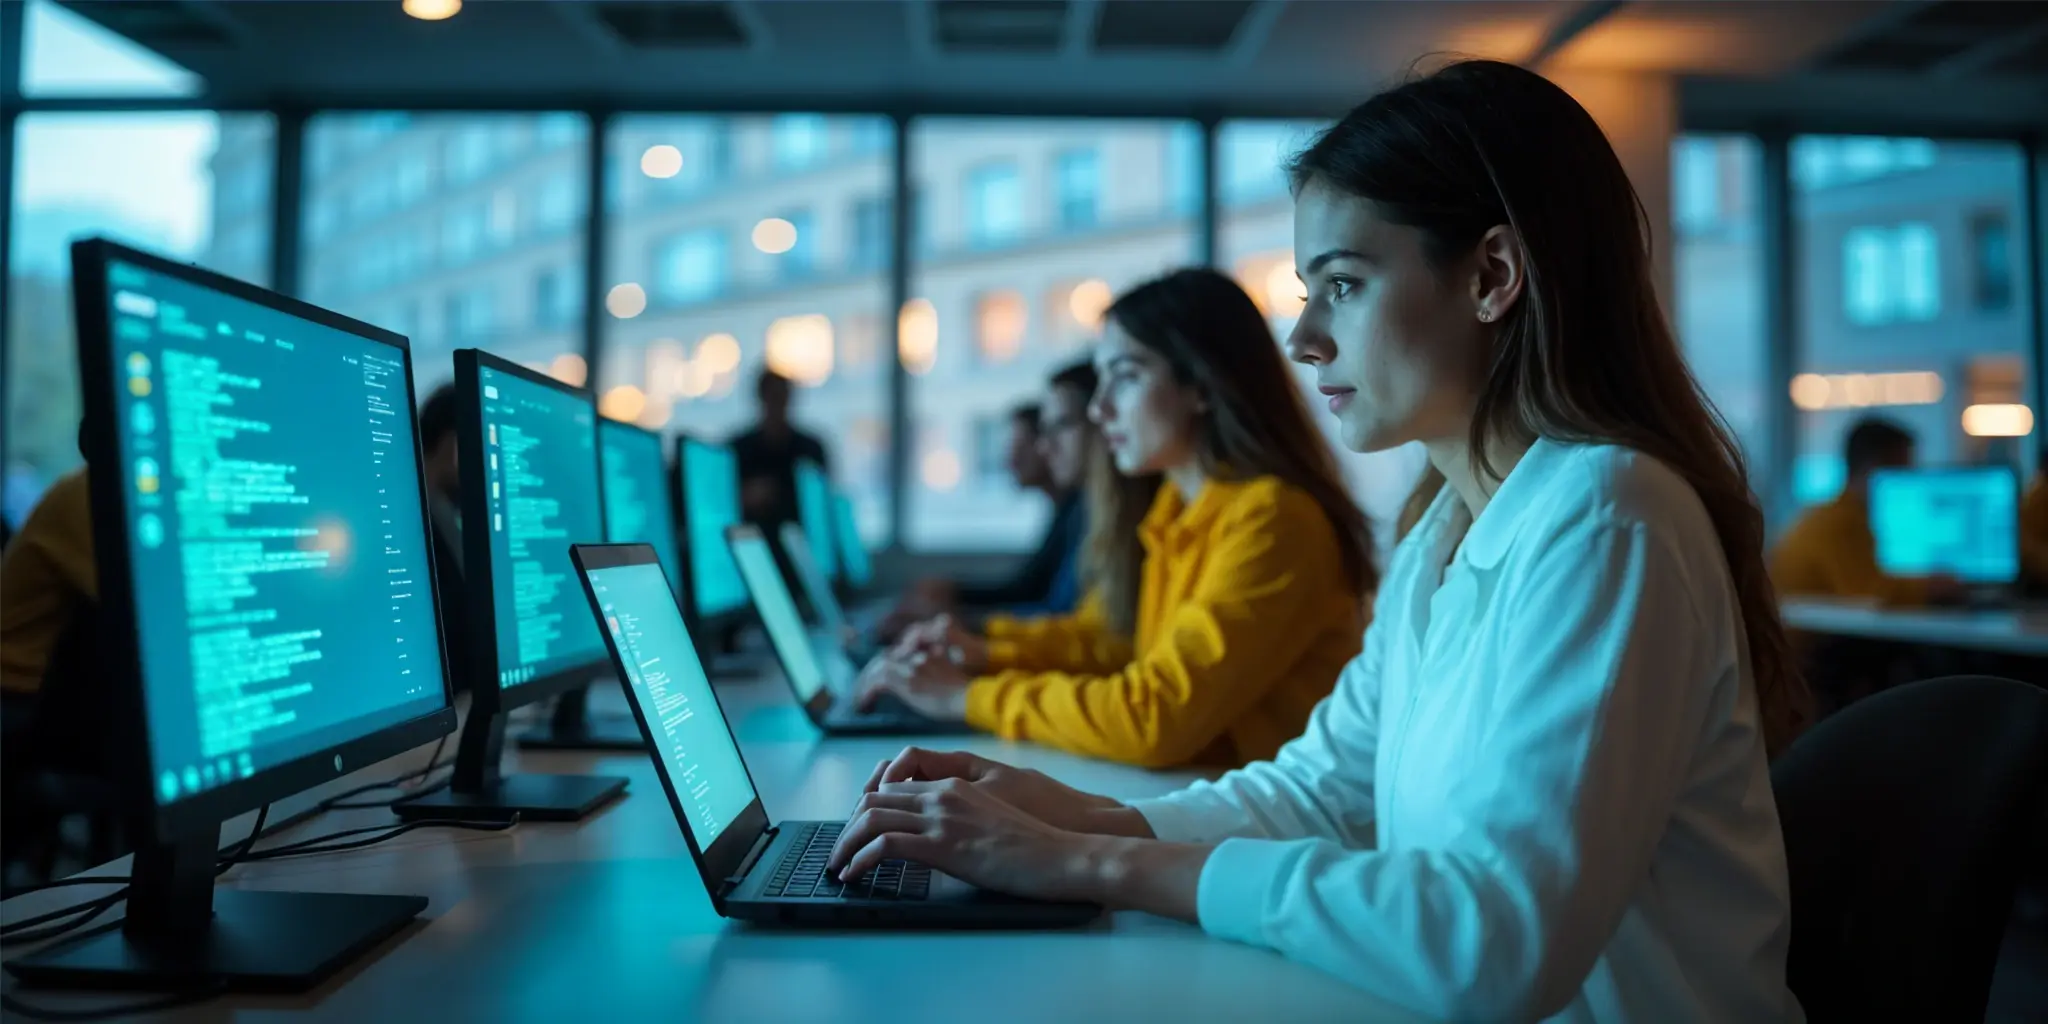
<point x="553" y="922"/>
<point x="2004" y="631"/>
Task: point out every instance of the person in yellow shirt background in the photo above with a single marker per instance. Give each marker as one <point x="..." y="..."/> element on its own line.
<point x="1229" y="572"/>
<point x="2034" y="529"/>
<point x="46" y="575"/>
<point x="1831" y="552"/>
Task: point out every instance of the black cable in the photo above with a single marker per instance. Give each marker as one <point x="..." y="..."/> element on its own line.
<point x="164" y="1002"/>
<point x="327" y="843"/>
<point x="339" y="801"/>
<point x="429" y="788"/>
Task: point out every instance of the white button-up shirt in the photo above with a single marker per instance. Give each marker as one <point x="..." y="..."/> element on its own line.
<point x="1540" y="790"/>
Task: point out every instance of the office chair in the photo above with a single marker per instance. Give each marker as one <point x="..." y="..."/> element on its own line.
<point x="1909" y="819"/>
<point x="57" y="766"/>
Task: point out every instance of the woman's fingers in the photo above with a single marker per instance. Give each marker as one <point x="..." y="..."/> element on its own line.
<point x="875" y="777"/>
<point x="894" y="846"/>
<point x="869" y="825"/>
<point x="919" y="763"/>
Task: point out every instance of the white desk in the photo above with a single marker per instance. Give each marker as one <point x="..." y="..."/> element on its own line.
<point x="2017" y="632"/>
<point x="552" y="923"/>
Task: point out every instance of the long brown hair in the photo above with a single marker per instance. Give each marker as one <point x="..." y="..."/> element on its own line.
<point x="1214" y="339"/>
<point x="1586" y="355"/>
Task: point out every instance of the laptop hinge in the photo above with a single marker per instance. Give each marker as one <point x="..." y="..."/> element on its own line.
<point x="754" y="853"/>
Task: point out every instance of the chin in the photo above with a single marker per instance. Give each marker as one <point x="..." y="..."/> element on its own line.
<point x="1366" y="438"/>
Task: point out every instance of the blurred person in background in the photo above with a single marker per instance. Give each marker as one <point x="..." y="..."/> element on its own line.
<point x="1831" y="551"/>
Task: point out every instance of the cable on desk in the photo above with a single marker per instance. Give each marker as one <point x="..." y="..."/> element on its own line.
<point x="340" y="801"/>
<point x="328" y="844"/>
<point x="151" y="1005"/>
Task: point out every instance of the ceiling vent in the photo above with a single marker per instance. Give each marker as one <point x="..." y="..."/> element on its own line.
<point x="1938" y="33"/>
<point x="1000" y="26"/>
<point x="1188" y="26"/>
<point x="655" y="25"/>
<point x="156" y="24"/>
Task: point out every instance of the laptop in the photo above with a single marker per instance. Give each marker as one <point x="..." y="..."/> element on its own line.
<point x="832" y="618"/>
<point x="817" y="667"/>
<point x="755" y="871"/>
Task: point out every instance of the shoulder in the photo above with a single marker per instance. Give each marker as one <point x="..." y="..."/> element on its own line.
<point x="808" y="444"/>
<point x="1267" y="503"/>
<point x="1582" y="486"/>
<point x="68" y="498"/>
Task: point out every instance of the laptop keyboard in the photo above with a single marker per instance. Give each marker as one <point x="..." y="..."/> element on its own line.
<point x="802" y="872"/>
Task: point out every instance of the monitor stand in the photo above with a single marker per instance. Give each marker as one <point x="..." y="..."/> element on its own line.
<point x="182" y="933"/>
<point x="572" y="727"/>
<point x="479" y="792"/>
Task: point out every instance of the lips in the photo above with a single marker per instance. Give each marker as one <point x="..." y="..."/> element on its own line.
<point x="1339" y="397"/>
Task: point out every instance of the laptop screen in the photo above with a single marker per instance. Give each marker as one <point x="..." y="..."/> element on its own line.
<point x="779" y="615"/>
<point x="814" y="508"/>
<point x="816" y="589"/>
<point x="853" y="552"/>
<point x="693" y="748"/>
<point x="711" y="494"/>
<point x="1962" y="521"/>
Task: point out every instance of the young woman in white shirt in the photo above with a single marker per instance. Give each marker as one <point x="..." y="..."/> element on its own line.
<point x="1541" y="789"/>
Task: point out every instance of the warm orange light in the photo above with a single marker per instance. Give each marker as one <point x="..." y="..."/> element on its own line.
<point x="623" y="403"/>
<point x="800" y="348"/>
<point x="662" y="161"/>
<point x="917" y="336"/>
<point x="1088" y="301"/>
<point x="1003" y="322"/>
<point x="940" y="469"/>
<point x="626" y="301"/>
<point x="570" y="369"/>
<point x="1998" y="420"/>
<point x="1813" y="392"/>
<point x="432" y="10"/>
<point x="720" y="353"/>
<point x="1283" y="292"/>
<point x="774" y="236"/>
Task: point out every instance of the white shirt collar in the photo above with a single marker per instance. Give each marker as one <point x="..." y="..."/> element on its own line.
<point x="1486" y="543"/>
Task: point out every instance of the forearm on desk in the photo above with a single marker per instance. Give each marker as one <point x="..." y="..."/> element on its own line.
<point x="1148" y="875"/>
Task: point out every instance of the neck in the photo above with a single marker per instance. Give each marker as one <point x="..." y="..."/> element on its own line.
<point x="1187" y="478"/>
<point x="1453" y="458"/>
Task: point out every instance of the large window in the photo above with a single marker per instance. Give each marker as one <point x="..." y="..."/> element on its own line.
<point x="193" y="186"/>
<point x="457" y="230"/>
<point x="1255" y="243"/>
<point x="721" y="262"/>
<point x="1012" y="286"/>
<point x="1910" y="300"/>
<point x="1718" y="271"/>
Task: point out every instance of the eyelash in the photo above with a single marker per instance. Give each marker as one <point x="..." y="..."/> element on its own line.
<point x="1341" y="287"/>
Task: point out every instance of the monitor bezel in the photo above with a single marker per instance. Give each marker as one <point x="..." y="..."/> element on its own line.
<point x="722" y="860"/>
<point x="134" y="769"/>
<point x="668" y="492"/>
<point x="486" y="694"/>
<point x="1951" y="469"/>
<point x="702" y="622"/>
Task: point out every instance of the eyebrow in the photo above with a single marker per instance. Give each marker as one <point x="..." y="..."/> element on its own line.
<point x="1323" y="259"/>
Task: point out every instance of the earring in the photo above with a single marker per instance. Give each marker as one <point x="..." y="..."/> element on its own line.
<point x="1486" y="316"/>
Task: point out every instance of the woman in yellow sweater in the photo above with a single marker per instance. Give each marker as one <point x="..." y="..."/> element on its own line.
<point x="1230" y="573"/>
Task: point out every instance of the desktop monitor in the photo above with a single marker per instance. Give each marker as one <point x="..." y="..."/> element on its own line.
<point x="637" y="509"/>
<point x="1960" y="521"/>
<point x="814" y="509"/>
<point x="853" y="551"/>
<point x="531" y="486"/>
<point x="708" y="476"/>
<point x="270" y="614"/>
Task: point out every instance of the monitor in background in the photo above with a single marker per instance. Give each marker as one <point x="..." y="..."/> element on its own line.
<point x="817" y="590"/>
<point x="531" y="487"/>
<point x="266" y="587"/>
<point x="853" y="551"/>
<point x="636" y="510"/>
<point x="709" y="477"/>
<point x="814" y="508"/>
<point x="1960" y="521"/>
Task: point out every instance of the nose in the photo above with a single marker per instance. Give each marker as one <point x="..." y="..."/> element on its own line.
<point x="1307" y="344"/>
<point x="1098" y="407"/>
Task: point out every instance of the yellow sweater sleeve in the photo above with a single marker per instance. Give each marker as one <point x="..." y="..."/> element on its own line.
<point x="1080" y="642"/>
<point x="1213" y="657"/>
<point x="1829" y="554"/>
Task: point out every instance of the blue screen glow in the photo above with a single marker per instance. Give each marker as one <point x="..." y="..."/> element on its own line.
<point x="852" y="550"/>
<point x="278" y="550"/>
<point x="1960" y="521"/>
<point x="541" y="466"/>
<point x="693" y="748"/>
<point x="814" y="507"/>
<point x="636" y="505"/>
<point x="779" y="617"/>
<point x="711" y="492"/>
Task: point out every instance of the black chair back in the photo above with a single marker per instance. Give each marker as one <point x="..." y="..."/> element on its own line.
<point x="1909" y="817"/>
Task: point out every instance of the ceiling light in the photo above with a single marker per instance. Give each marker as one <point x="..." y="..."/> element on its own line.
<point x="432" y="10"/>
